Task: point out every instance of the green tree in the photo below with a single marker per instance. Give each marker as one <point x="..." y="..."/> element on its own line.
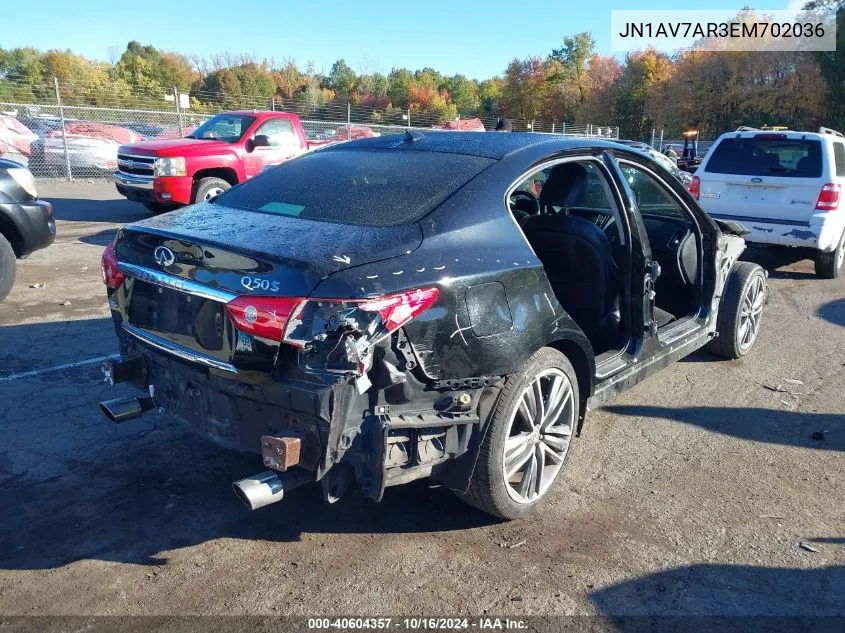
<point x="572" y="64"/>
<point x="398" y="86"/>
<point x="342" y="79"/>
<point x="832" y="63"/>
<point x="464" y="93"/>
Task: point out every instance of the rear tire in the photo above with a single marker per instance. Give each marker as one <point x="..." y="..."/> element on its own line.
<point x="740" y="311"/>
<point x="208" y="188"/>
<point x="8" y="267"/>
<point x="830" y="265"/>
<point x="532" y="444"/>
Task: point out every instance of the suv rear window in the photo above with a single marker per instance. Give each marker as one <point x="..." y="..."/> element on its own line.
<point x="760" y="156"/>
<point x="363" y="187"/>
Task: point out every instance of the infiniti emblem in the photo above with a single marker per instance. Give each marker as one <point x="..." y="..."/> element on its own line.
<point x="164" y="256"/>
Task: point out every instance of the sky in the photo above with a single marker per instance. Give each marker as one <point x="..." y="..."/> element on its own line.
<point x="475" y="38"/>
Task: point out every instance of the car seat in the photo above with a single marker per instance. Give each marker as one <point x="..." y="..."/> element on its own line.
<point x="578" y="259"/>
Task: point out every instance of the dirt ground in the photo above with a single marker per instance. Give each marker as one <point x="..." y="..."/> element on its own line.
<point x="691" y="494"/>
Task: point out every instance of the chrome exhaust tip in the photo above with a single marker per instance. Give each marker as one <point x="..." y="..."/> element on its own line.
<point x="268" y="487"/>
<point x="124" y="409"/>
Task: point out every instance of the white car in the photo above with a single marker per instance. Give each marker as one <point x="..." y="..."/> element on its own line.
<point x="783" y="186"/>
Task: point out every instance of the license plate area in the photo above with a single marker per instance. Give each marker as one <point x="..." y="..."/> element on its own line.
<point x="756" y="194"/>
<point x="183" y="316"/>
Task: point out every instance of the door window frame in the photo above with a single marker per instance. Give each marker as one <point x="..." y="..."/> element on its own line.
<point x="629" y="311"/>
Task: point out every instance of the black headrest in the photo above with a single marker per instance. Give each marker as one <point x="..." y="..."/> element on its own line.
<point x="770" y="159"/>
<point x="562" y="180"/>
<point x="809" y="164"/>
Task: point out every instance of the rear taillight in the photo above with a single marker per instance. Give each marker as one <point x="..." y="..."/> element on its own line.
<point x="396" y="310"/>
<point x="376" y="317"/>
<point x="112" y="276"/>
<point x="829" y="198"/>
<point x="695" y="187"/>
<point x="282" y="318"/>
<point x="266" y="317"/>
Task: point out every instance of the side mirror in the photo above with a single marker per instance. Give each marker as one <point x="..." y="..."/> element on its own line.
<point x="261" y="140"/>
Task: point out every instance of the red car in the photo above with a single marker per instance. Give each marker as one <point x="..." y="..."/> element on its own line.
<point x="227" y="149"/>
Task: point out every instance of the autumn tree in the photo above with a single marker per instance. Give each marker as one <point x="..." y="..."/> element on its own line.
<point x="524" y="88"/>
<point x="636" y="106"/>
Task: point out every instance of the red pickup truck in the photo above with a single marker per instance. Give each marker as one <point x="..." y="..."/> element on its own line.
<point x="227" y="149"/>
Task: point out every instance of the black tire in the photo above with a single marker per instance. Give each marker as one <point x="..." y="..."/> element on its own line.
<point x="208" y="186"/>
<point x="8" y="267"/>
<point x="830" y="265"/>
<point x="157" y="209"/>
<point x="488" y="490"/>
<point x="731" y="340"/>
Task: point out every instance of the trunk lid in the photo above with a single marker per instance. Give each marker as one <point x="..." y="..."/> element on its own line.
<point x="764" y="198"/>
<point x="184" y="267"/>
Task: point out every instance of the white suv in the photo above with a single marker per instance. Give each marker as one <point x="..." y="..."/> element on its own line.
<point x="783" y="186"/>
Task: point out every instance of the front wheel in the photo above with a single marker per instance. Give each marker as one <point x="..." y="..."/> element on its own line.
<point x="209" y="188"/>
<point x="8" y="267"/>
<point x="528" y="439"/>
<point x="740" y="311"/>
<point x="829" y="265"/>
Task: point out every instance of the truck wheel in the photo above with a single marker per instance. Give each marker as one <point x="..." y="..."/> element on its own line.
<point x="740" y="311"/>
<point x="829" y="265"/>
<point x="207" y="188"/>
<point x="528" y="438"/>
<point x="8" y="266"/>
<point x="159" y="208"/>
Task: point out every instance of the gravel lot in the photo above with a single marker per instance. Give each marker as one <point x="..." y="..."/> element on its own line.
<point x="690" y="494"/>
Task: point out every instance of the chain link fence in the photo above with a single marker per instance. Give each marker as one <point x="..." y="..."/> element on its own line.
<point x="72" y="131"/>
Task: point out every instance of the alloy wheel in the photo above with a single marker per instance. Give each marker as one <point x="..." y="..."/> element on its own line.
<point x="539" y="436"/>
<point x="751" y="312"/>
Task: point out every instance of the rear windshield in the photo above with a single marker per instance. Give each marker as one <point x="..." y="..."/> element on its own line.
<point x="794" y="158"/>
<point x="364" y="187"/>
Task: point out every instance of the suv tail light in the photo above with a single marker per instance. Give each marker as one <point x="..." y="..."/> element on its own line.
<point x="829" y="198"/>
<point x="266" y="317"/>
<point x="112" y="276"/>
<point x="695" y="187"/>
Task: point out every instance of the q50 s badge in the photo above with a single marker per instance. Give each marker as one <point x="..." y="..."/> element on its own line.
<point x="255" y="283"/>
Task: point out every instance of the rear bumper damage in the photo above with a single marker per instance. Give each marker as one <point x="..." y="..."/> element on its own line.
<point x="822" y="232"/>
<point x="314" y="427"/>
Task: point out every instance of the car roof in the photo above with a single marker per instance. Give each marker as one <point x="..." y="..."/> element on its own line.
<point x="789" y="135"/>
<point x="495" y="145"/>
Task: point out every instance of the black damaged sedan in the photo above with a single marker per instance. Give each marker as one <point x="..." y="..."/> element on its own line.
<point x="444" y="305"/>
